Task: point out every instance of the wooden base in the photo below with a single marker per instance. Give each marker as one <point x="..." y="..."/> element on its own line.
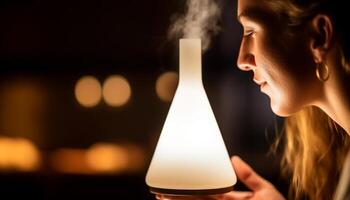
<point x="190" y="192"/>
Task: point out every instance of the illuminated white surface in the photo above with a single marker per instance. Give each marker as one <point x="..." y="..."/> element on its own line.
<point x="190" y="154"/>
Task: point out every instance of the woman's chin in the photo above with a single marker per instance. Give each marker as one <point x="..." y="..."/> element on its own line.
<point x="279" y="110"/>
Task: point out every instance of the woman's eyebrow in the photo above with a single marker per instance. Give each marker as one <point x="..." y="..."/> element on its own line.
<point x="240" y="16"/>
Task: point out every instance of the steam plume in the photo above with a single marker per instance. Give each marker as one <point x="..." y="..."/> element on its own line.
<point x="200" y="21"/>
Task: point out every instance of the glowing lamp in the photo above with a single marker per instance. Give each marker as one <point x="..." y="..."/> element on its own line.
<point x="190" y="157"/>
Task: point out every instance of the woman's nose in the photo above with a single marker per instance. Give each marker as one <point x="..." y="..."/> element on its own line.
<point x="246" y="60"/>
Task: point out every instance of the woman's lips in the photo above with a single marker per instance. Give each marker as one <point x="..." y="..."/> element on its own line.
<point x="261" y="83"/>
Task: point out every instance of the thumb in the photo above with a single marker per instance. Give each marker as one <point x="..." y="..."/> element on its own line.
<point x="247" y="175"/>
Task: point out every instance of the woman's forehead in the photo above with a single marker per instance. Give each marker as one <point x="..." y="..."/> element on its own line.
<point x="257" y="15"/>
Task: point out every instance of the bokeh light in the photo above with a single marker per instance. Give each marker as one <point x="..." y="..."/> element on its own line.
<point x="26" y="156"/>
<point x="104" y="157"/>
<point x="166" y="85"/>
<point x="19" y="153"/>
<point x="5" y="150"/>
<point x="116" y="90"/>
<point x="88" y="91"/>
<point x="68" y="160"/>
<point x="100" y="158"/>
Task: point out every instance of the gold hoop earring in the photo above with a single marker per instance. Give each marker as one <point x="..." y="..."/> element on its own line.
<point x="322" y="71"/>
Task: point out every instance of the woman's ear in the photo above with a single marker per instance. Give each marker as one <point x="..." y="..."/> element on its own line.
<point x="321" y="37"/>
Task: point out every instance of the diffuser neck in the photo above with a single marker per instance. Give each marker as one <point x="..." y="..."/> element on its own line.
<point x="190" y="61"/>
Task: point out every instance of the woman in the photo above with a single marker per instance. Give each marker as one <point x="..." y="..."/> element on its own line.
<point x="299" y="55"/>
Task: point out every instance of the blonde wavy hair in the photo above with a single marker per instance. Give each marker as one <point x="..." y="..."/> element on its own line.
<point x="314" y="153"/>
<point x="315" y="146"/>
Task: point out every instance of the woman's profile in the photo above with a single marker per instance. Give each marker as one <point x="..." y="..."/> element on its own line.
<point x="299" y="53"/>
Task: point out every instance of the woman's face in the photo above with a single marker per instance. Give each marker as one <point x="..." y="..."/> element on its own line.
<point x="282" y="64"/>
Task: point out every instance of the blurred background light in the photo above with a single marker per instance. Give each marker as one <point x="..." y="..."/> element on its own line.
<point x="166" y="85"/>
<point x="100" y="158"/>
<point x="5" y="156"/>
<point x="88" y="91"/>
<point x="23" y="106"/>
<point x="26" y="156"/>
<point x="116" y="90"/>
<point x="103" y="157"/>
<point x="69" y="160"/>
<point x="19" y="154"/>
<point x="137" y="158"/>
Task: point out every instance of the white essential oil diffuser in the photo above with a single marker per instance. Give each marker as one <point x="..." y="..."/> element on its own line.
<point x="190" y="157"/>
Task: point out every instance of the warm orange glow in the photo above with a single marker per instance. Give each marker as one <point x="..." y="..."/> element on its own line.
<point x="70" y="161"/>
<point x="88" y="91"/>
<point x="103" y="157"/>
<point x="137" y="158"/>
<point x="99" y="158"/>
<point x="166" y="86"/>
<point x="6" y="146"/>
<point x="25" y="156"/>
<point x="23" y="106"/>
<point x="20" y="154"/>
<point x="116" y="90"/>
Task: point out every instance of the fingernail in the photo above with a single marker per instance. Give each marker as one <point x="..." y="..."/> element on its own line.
<point x="235" y="157"/>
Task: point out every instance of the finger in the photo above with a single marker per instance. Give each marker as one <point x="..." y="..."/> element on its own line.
<point x="247" y="175"/>
<point x="238" y="195"/>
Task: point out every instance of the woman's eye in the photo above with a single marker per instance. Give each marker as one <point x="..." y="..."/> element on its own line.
<point x="248" y="33"/>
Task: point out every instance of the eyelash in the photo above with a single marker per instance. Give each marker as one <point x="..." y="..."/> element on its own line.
<point x="248" y="33"/>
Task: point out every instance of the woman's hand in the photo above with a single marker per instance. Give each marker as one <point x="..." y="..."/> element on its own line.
<point x="261" y="189"/>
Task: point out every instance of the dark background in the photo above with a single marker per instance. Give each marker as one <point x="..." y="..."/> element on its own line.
<point x="53" y="43"/>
